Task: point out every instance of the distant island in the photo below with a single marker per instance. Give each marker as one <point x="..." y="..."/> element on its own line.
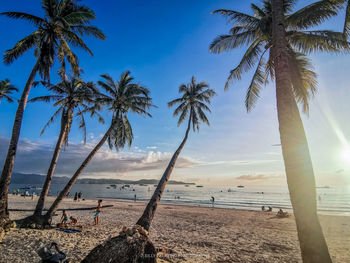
<point x="38" y="179"/>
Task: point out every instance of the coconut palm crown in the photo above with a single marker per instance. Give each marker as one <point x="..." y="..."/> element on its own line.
<point x="193" y="102"/>
<point x="6" y="90"/>
<point x="255" y="31"/>
<point x="70" y="95"/>
<point x="121" y="97"/>
<point x="63" y="25"/>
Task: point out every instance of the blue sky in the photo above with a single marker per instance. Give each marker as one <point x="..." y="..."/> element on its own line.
<point x="164" y="43"/>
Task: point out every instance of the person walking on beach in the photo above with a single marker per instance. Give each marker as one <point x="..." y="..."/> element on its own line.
<point x="135" y="198"/>
<point x="75" y="197"/>
<point x="98" y="211"/>
<point x="212" y="199"/>
<point x="80" y="195"/>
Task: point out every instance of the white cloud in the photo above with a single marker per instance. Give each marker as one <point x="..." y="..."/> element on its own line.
<point x="151" y="147"/>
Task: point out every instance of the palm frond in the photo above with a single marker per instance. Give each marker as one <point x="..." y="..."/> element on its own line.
<point x="311" y="15"/>
<point x="255" y="86"/>
<point x="89" y="31"/>
<point x="51" y="120"/>
<point x="35" y="20"/>
<point x="240" y="18"/>
<point x="311" y="41"/>
<point x="20" y="48"/>
<point x="227" y="42"/>
<point x="250" y="57"/>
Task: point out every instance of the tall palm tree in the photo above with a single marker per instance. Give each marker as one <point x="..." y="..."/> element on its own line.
<point x="276" y="30"/>
<point x="122" y="96"/>
<point x="70" y="96"/>
<point x="6" y="90"/>
<point x="192" y="104"/>
<point x="63" y="24"/>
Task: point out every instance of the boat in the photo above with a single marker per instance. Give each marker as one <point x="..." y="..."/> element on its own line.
<point x="240" y="186"/>
<point x="186" y="185"/>
<point x="199" y="185"/>
<point x="36" y="188"/>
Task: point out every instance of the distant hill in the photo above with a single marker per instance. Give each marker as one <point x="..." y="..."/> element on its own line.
<point x="20" y="178"/>
<point x="37" y="179"/>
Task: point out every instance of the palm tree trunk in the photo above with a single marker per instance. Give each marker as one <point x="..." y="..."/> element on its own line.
<point x="64" y="125"/>
<point x="297" y="160"/>
<point x="148" y="214"/>
<point x="69" y="185"/>
<point x="10" y="158"/>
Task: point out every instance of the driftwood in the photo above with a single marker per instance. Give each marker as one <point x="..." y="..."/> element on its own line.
<point x="67" y="209"/>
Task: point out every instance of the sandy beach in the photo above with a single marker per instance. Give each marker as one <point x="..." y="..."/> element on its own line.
<point x="194" y="234"/>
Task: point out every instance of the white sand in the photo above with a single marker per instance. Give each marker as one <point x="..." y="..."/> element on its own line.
<point x="197" y="234"/>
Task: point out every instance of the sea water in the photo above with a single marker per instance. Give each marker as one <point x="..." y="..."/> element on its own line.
<point x="332" y="200"/>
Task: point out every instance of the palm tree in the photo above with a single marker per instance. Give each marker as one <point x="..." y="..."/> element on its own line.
<point x="192" y="104"/>
<point x="63" y="24"/>
<point x="6" y="90"/>
<point x="69" y="96"/>
<point x="274" y="29"/>
<point x="123" y="96"/>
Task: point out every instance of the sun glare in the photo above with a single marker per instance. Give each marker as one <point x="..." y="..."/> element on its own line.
<point x="345" y="155"/>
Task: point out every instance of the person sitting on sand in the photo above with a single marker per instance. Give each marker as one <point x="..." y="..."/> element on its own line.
<point x="64" y="218"/>
<point x="282" y="214"/>
<point x="73" y="221"/>
<point x="98" y="211"/>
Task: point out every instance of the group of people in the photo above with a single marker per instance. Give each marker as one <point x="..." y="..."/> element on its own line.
<point x="268" y="209"/>
<point x="70" y="220"/>
<point x="77" y="196"/>
<point x="280" y="212"/>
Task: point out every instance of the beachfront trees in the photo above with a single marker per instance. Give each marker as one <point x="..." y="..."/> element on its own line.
<point x="122" y="96"/>
<point x="64" y="23"/>
<point x="192" y="104"/>
<point x="70" y="96"/>
<point x="6" y="90"/>
<point x="276" y="31"/>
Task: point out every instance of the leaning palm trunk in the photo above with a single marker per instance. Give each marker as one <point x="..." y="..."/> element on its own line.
<point x="297" y="160"/>
<point x="148" y="214"/>
<point x="69" y="185"/>
<point x="10" y="158"/>
<point x="64" y="126"/>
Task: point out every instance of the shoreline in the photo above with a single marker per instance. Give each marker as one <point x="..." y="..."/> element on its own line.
<point x="196" y="234"/>
<point x="229" y="207"/>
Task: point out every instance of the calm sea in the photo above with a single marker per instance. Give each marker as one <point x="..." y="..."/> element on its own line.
<point x="333" y="200"/>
